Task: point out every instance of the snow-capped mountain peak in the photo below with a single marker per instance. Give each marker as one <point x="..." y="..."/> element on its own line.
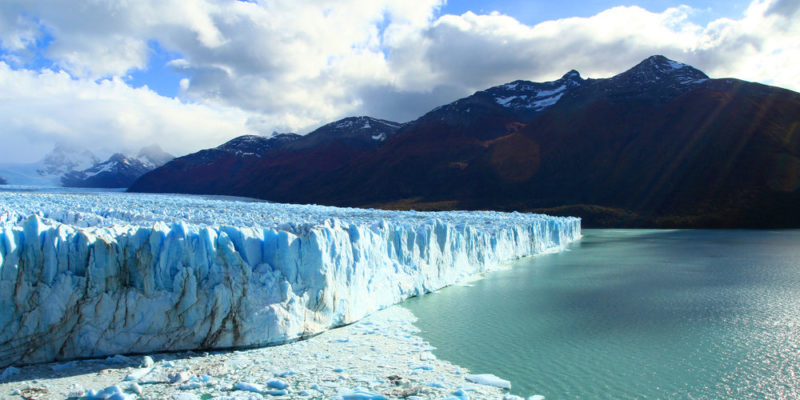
<point x="534" y="96"/>
<point x="572" y="75"/>
<point x="256" y="146"/>
<point x="661" y="70"/>
<point x="361" y="128"/>
<point x="523" y="99"/>
<point x="662" y="63"/>
<point x="118" y="171"/>
<point x="244" y="145"/>
<point x="65" y="158"/>
<point x="361" y="122"/>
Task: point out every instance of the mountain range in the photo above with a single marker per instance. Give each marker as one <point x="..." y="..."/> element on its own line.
<point x="119" y="171"/>
<point x="72" y="166"/>
<point x="659" y="145"/>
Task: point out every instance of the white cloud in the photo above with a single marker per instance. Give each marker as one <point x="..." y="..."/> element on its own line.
<point x="481" y="50"/>
<point x="39" y="109"/>
<point x="290" y="65"/>
<point x="759" y="47"/>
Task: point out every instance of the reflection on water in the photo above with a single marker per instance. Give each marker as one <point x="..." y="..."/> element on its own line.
<point x="634" y="314"/>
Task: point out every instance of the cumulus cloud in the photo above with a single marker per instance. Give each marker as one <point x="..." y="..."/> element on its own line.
<point x="484" y="50"/>
<point x="39" y="109"/>
<point x="291" y="65"/>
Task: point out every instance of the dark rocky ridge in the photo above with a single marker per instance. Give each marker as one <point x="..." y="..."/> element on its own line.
<point x="227" y="168"/>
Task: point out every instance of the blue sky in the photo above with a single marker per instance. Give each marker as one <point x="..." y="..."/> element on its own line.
<point x="157" y="75"/>
<point x="115" y="76"/>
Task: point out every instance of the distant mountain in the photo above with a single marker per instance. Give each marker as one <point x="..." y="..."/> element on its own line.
<point x="659" y="145"/>
<point x="76" y="167"/>
<point x="49" y="170"/>
<point x="154" y="156"/>
<point x="64" y="158"/>
<point x="119" y="171"/>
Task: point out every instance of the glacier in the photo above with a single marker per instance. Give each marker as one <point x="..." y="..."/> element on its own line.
<point x="97" y="274"/>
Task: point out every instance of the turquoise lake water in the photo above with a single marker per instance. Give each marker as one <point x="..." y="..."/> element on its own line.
<point x="633" y="314"/>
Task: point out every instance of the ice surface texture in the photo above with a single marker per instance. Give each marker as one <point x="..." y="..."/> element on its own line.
<point x="100" y="274"/>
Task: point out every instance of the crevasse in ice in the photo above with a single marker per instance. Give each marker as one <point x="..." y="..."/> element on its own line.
<point x="84" y="275"/>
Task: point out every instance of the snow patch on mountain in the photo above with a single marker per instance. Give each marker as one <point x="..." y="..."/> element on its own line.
<point x="246" y="145"/>
<point x="504" y="101"/>
<point x="363" y="131"/>
<point x="546" y="102"/>
<point x="534" y="96"/>
<point x="362" y="122"/>
<point x="511" y="86"/>
<point x="538" y="100"/>
<point x="107" y="166"/>
<point x="111" y="273"/>
<point x="675" y="64"/>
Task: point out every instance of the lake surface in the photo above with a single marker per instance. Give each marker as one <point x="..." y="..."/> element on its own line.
<point x="633" y="314"/>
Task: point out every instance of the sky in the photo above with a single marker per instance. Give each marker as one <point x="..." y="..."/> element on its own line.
<point x="112" y="75"/>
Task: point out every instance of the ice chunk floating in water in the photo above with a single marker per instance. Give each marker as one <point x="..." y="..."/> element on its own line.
<point x="102" y="274"/>
<point x="490" y="380"/>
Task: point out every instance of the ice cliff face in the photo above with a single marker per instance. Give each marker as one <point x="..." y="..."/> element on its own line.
<point x="94" y="275"/>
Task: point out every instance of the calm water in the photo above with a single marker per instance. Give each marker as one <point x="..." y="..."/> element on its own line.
<point x="633" y="314"/>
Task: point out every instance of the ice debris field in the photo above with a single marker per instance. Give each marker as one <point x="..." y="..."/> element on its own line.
<point x="377" y="358"/>
<point x="90" y="275"/>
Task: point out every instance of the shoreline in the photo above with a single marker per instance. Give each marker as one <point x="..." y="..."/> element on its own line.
<point x="380" y="356"/>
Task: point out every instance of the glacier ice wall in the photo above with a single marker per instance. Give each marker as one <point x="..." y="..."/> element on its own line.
<point x="99" y="274"/>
